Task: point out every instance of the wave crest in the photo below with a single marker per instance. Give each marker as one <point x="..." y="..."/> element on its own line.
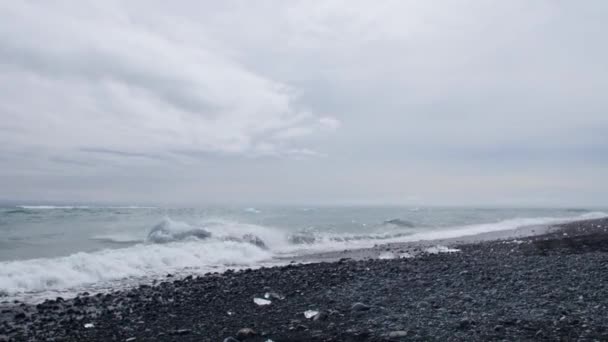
<point x="169" y="231"/>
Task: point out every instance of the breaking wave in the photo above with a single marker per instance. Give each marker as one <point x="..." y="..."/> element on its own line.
<point x="139" y="261"/>
<point x="400" y="223"/>
<point x="169" y="231"/>
<point x="70" y="207"/>
<point x="173" y="246"/>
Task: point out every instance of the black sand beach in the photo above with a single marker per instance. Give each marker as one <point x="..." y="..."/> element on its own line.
<point x="547" y="287"/>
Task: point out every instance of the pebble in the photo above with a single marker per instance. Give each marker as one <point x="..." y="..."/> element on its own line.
<point x="504" y="296"/>
<point x="359" y="307"/>
<point x="397" y="334"/>
<point x="245" y="333"/>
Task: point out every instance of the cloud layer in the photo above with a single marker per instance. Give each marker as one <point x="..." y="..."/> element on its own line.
<point x="88" y="77"/>
<point x="334" y="101"/>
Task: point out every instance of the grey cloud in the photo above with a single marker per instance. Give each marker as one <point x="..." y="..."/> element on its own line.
<point x="120" y="153"/>
<point x="333" y="101"/>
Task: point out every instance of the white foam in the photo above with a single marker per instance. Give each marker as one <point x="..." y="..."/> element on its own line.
<point x="225" y="246"/>
<point x="274" y="238"/>
<point x="499" y="226"/>
<point x="52" y="207"/>
<point x="333" y="242"/>
<point x="141" y="260"/>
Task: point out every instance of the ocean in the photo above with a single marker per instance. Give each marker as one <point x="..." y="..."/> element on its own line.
<point x="50" y="251"/>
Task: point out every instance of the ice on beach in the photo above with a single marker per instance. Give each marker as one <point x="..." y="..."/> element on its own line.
<point x="261" y="301"/>
<point x="387" y="255"/>
<point x="310" y="313"/>
<point x="273" y="295"/>
<point x="405" y="255"/>
<point x="517" y="241"/>
<point x="441" y="249"/>
<point x="89" y="325"/>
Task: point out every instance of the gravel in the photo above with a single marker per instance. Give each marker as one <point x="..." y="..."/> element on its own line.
<point x="550" y="287"/>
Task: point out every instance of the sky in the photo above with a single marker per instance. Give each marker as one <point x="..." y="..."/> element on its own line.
<point x="451" y="102"/>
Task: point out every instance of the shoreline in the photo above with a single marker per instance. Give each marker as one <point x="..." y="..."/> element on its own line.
<point x="534" y="283"/>
<point x="414" y="248"/>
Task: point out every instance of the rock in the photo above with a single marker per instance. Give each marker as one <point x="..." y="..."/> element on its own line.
<point x="245" y="333"/>
<point x="183" y="331"/>
<point x="231" y="339"/>
<point x="130" y="339"/>
<point x="465" y="323"/>
<point x="321" y="316"/>
<point x="20" y="315"/>
<point x="499" y="328"/>
<point x="397" y="334"/>
<point x="359" y="307"/>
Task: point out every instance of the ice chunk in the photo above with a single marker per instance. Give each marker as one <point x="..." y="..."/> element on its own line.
<point x="261" y="301"/>
<point x="273" y="295"/>
<point x="89" y="325"/>
<point x="386" y="256"/>
<point x="310" y="313"/>
<point x="441" y="249"/>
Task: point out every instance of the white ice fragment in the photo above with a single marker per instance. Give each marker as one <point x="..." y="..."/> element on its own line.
<point x="441" y="249"/>
<point x="230" y="313"/>
<point x="405" y="255"/>
<point x="261" y="301"/>
<point x="386" y="256"/>
<point x="310" y="313"/>
<point x="89" y="325"/>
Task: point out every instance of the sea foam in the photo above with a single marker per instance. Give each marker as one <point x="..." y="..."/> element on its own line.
<point x="142" y="260"/>
<point x="224" y="244"/>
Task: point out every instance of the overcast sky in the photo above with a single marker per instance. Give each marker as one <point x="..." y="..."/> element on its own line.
<point x="320" y="102"/>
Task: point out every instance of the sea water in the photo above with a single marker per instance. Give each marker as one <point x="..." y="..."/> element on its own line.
<point x="47" y="251"/>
